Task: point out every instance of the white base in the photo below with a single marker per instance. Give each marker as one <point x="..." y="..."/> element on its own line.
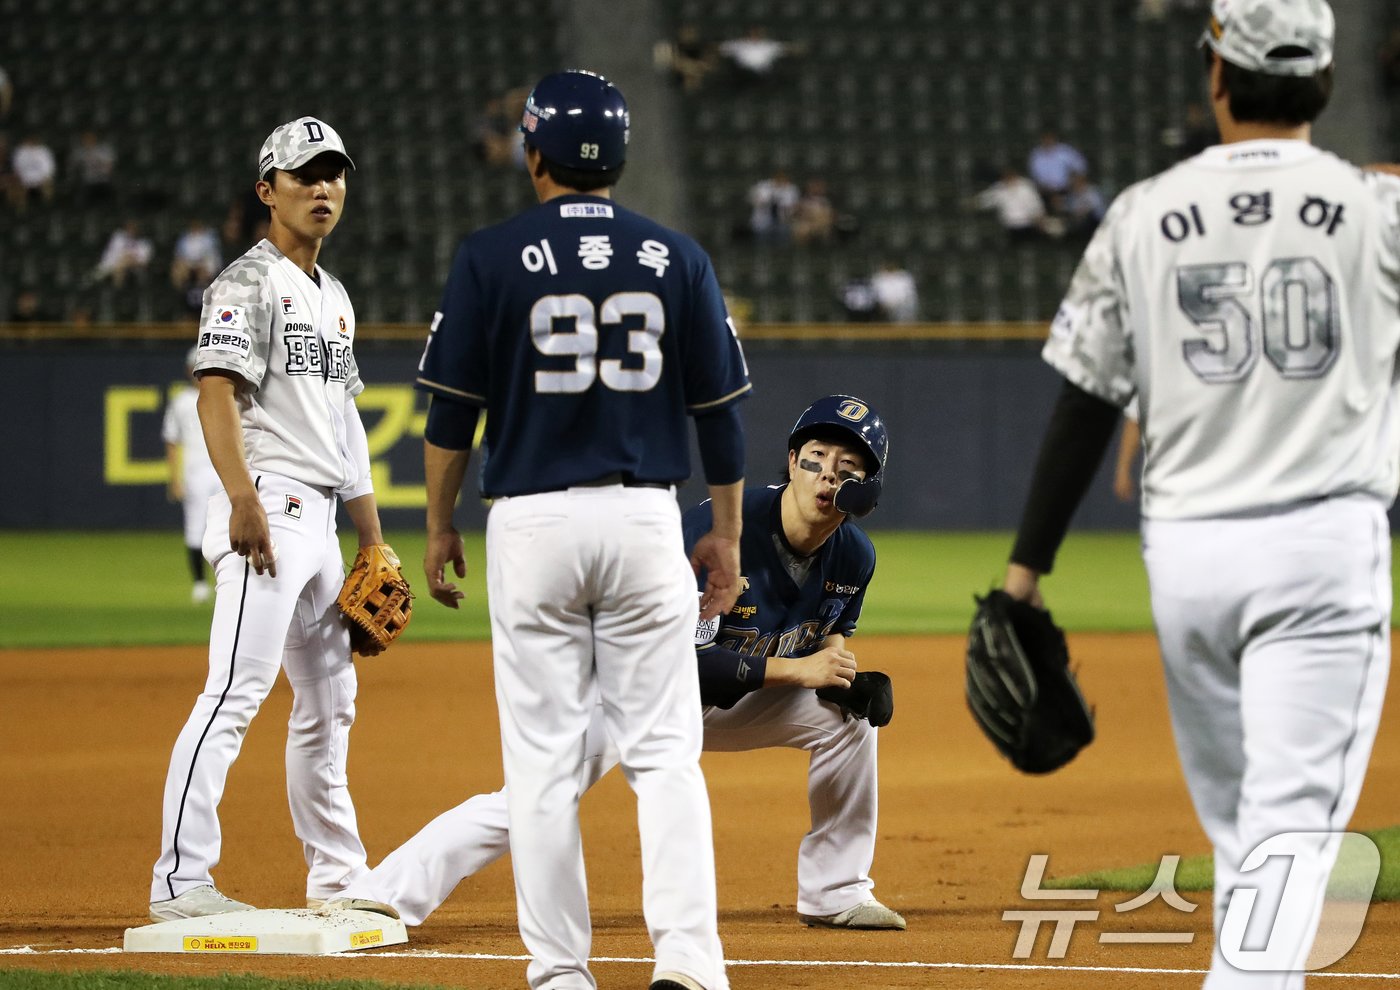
<point x="297" y="932"/>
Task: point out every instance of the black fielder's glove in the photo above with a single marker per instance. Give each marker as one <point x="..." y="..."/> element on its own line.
<point x="870" y="696"/>
<point x="1019" y="685"/>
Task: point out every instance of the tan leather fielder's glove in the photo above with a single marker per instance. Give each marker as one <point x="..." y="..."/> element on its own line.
<point x="375" y="599"/>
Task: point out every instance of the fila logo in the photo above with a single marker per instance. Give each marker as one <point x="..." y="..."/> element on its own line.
<point x="852" y="410"/>
<point x="293" y="508"/>
<point x="288" y="308"/>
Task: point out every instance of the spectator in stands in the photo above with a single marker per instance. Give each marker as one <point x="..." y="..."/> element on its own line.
<point x="7" y="93"/>
<point x="814" y="217"/>
<point x="1390" y="63"/>
<point x="1018" y="205"/>
<point x="127" y="256"/>
<point x="771" y="203"/>
<point x="690" y="58"/>
<point x="1084" y="207"/>
<point x="195" y="263"/>
<point x="857" y="298"/>
<point x="1053" y="163"/>
<point x="30" y="308"/>
<point x="754" y="56"/>
<point x="92" y="166"/>
<point x="35" y="168"/>
<point x="496" y="132"/>
<point x="896" y="293"/>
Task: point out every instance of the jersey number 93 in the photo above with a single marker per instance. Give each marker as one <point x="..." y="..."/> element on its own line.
<point x="552" y="314"/>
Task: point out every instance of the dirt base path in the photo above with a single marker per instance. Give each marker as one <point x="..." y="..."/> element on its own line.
<point x="85" y="737"/>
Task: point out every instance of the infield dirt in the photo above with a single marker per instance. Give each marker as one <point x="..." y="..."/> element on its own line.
<point x="85" y="737"/>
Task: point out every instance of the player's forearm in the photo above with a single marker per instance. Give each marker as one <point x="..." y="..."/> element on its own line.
<point x="727" y="502"/>
<point x="223" y="436"/>
<point x="443" y="470"/>
<point x="364" y="513"/>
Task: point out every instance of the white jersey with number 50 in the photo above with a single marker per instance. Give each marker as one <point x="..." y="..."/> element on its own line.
<point x="1250" y="297"/>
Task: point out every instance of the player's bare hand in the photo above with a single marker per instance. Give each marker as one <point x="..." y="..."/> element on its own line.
<point x="443" y="548"/>
<point x="834" y="666"/>
<point x="249" y="535"/>
<point x="1023" y="584"/>
<point x="719" y="556"/>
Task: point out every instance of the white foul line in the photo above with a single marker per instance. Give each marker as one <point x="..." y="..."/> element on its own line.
<point x="29" y="950"/>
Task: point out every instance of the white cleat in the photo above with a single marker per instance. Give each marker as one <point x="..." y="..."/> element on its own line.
<point x="869" y="914"/>
<point x="201" y="902"/>
<point x="200" y="593"/>
<point x="357" y="904"/>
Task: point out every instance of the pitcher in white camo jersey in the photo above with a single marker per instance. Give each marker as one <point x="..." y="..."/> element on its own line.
<point x="277" y="380"/>
<point x="1250" y="299"/>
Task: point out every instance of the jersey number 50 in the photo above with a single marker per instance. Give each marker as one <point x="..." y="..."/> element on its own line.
<point x="581" y="342"/>
<point x="1297" y="316"/>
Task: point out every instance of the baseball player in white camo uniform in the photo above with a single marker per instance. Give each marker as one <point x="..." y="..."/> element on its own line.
<point x="277" y="381"/>
<point x="193" y="480"/>
<point x="1250" y="298"/>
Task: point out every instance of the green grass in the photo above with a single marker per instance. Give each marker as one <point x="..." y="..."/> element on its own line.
<point x="132" y="588"/>
<point x="1195" y="873"/>
<point x="29" y="979"/>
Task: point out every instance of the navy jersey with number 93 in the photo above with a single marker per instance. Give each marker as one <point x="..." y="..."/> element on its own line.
<point x="589" y="333"/>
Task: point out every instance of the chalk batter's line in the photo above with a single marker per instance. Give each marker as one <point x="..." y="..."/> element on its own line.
<point x="29" y="950"/>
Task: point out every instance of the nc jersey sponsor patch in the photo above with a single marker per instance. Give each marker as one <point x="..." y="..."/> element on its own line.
<point x="585" y="210"/>
<point x="706" y="630"/>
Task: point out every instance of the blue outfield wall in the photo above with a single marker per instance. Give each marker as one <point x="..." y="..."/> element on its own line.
<point x="83" y="450"/>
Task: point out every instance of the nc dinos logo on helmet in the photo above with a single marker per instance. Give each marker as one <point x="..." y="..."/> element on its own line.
<point x="852" y="410"/>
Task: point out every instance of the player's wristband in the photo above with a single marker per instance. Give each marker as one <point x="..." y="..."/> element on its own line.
<point x="451" y="425"/>
<point x="1080" y="429"/>
<point x="720" y="434"/>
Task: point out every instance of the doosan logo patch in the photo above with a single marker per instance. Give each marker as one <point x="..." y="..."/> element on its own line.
<point x="293" y="508"/>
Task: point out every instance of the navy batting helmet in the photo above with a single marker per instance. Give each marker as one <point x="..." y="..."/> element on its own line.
<point x="577" y="119"/>
<point x="855" y="418"/>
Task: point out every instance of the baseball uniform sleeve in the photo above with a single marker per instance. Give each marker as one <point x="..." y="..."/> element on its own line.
<point x="354" y="385"/>
<point x="358" y="446"/>
<point x="1387" y="189"/>
<point x="235" y="325"/>
<point x="715" y="371"/>
<point x="455" y="359"/>
<point x="1090" y="343"/>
